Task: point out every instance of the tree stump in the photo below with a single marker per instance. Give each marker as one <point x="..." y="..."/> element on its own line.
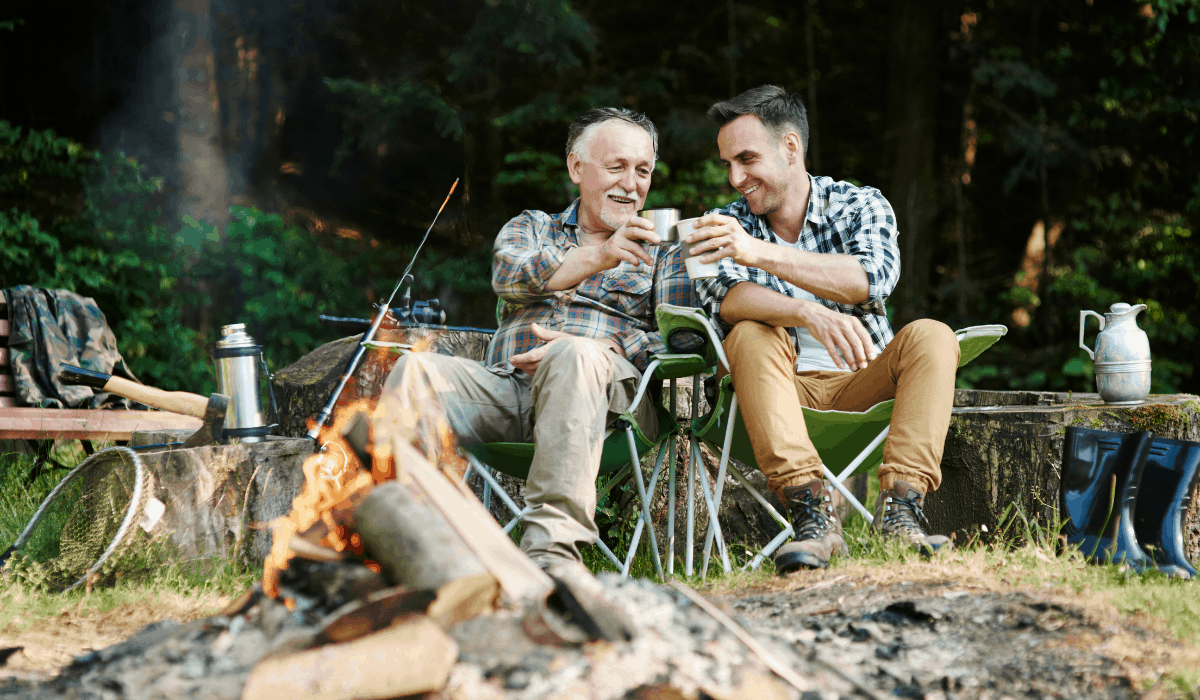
<point x="303" y="387"/>
<point x="220" y="498"/>
<point x="997" y="455"/>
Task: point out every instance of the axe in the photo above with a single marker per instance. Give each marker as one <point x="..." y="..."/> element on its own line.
<point x="211" y="410"/>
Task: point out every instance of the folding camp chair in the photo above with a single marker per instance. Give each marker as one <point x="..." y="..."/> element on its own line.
<point x="624" y="445"/>
<point x="848" y="442"/>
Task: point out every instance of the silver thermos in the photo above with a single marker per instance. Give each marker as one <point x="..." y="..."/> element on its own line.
<point x="238" y="360"/>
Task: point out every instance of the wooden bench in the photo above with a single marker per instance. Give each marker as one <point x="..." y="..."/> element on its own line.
<point x="86" y="425"/>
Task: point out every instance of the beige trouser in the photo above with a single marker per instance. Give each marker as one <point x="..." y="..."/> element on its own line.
<point x="917" y="369"/>
<point x="579" y="389"/>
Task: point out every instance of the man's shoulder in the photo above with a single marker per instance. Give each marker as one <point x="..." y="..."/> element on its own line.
<point x="843" y="197"/>
<point x="537" y="220"/>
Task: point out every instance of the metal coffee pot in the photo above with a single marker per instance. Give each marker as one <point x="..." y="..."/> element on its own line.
<point x="238" y="359"/>
<point x="1122" y="354"/>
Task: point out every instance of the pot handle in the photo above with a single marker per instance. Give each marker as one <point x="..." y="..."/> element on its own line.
<point x="1082" y="320"/>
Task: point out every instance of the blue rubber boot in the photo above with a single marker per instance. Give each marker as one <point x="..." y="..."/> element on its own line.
<point x="1101" y="477"/>
<point x="1166" y="491"/>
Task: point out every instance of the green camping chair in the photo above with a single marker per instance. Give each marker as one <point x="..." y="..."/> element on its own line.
<point x="624" y="446"/>
<point x="848" y="442"/>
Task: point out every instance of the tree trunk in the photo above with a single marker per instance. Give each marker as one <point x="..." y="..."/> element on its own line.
<point x="912" y="110"/>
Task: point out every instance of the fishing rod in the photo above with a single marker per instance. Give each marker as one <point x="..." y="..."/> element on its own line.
<point x="323" y="417"/>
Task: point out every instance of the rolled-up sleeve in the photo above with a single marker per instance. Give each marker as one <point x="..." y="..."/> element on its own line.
<point x="711" y="291"/>
<point x="522" y="262"/>
<point x="873" y="242"/>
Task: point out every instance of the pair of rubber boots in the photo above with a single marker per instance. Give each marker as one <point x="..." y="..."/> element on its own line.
<point x="1124" y="495"/>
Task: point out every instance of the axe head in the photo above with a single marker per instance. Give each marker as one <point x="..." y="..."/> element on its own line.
<point x="214" y="423"/>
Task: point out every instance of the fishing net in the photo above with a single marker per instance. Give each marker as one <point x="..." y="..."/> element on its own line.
<point x="83" y="525"/>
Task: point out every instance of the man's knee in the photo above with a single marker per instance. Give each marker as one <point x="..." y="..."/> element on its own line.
<point x="752" y="339"/>
<point x="575" y="351"/>
<point x="931" y="337"/>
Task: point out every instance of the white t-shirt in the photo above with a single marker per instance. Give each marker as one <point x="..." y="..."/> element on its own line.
<point x="810" y="353"/>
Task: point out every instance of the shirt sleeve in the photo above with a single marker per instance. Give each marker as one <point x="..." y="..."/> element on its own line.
<point x="711" y="292"/>
<point x="873" y="242"/>
<point x="524" y="259"/>
<point x="671" y="286"/>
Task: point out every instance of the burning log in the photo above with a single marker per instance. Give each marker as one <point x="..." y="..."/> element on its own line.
<point x="411" y="539"/>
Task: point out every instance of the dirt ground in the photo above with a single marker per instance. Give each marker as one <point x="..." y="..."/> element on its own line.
<point x="934" y="630"/>
<point x="47" y="644"/>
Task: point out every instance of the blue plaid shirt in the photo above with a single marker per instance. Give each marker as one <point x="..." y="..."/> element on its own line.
<point x="617" y="304"/>
<point x="842" y="218"/>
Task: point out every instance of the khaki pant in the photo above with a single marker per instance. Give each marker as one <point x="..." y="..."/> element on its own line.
<point x="579" y="389"/>
<point x="917" y="369"/>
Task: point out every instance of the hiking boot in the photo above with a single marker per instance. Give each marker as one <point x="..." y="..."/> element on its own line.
<point x="899" y="514"/>
<point x="818" y="531"/>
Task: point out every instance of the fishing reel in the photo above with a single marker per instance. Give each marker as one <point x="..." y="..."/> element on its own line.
<point x="428" y="312"/>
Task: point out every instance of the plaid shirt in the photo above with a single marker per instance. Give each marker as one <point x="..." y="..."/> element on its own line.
<point x="617" y="303"/>
<point x="841" y="218"/>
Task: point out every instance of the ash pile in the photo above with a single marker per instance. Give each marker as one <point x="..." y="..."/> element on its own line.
<point x="396" y="642"/>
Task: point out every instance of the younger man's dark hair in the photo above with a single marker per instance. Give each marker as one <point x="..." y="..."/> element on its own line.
<point x="777" y="110"/>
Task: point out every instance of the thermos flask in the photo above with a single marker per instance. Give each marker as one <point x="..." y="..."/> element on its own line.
<point x="238" y="360"/>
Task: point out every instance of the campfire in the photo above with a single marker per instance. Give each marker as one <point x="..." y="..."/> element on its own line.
<point x="388" y="578"/>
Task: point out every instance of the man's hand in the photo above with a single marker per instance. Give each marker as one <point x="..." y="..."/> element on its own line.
<point x="528" y="361"/>
<point x="625" y="244"/>
<point x="838" y="331"/>
<point x="723" y="237"/>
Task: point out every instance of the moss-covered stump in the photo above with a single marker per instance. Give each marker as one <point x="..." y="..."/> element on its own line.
<point x="303" y="387"/>
<point x="1011" y="455"/>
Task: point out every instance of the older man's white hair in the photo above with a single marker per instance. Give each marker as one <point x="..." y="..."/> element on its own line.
<point x="583" y="130"/>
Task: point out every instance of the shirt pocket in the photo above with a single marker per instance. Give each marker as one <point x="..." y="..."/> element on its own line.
<point x="627" y="291"/>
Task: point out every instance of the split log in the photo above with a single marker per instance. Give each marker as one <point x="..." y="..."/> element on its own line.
<point x="303" y="387"/>
<point x="1012" y="454"/>
<point x="411" y="657"/>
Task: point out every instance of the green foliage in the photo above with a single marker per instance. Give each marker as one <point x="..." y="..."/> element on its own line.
<point x="91" y="223"/>
<point x="377" y="111"/>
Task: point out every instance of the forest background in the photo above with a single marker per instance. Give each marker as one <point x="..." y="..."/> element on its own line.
<point x="192" y="163"/>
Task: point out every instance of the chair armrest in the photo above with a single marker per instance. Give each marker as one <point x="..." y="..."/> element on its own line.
<point x="672" y="317"/>
<point x="974" y="340"/>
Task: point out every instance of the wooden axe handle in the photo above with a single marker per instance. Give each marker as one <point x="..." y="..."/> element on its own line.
<point x="174" y="401"/>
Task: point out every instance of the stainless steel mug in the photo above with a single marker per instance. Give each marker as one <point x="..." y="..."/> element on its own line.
<point x="664" y="223"/>
<point x="238" y="360"/>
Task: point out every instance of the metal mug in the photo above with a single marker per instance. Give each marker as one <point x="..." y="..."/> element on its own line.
<point x="238" y="360"/>
<point x="664" y="221"/>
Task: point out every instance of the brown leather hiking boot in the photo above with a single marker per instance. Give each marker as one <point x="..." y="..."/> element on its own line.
<point x="818" y="530"/>
<point x="899" y="514"/>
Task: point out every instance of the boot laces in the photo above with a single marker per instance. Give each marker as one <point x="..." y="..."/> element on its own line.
<point x="811" y="517"/>
<point x="904" y="515"/>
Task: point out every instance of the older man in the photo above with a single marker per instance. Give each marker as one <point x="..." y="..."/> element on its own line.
<point x="805" y="265"/>
<point x="580" y="289"/>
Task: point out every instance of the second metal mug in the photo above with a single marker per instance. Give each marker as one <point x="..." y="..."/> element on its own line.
<point x="664" y="221"/>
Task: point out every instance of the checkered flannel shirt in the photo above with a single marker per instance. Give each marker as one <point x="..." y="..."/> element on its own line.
<point x="841" y="218"/>
<point x="617" y="303"/>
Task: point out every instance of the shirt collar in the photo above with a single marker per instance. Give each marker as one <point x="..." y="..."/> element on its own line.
<point x="818" y="201"/>
<point x="570" y="217"/>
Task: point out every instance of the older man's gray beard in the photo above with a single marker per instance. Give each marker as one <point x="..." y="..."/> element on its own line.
<point x="616" y="219"/>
